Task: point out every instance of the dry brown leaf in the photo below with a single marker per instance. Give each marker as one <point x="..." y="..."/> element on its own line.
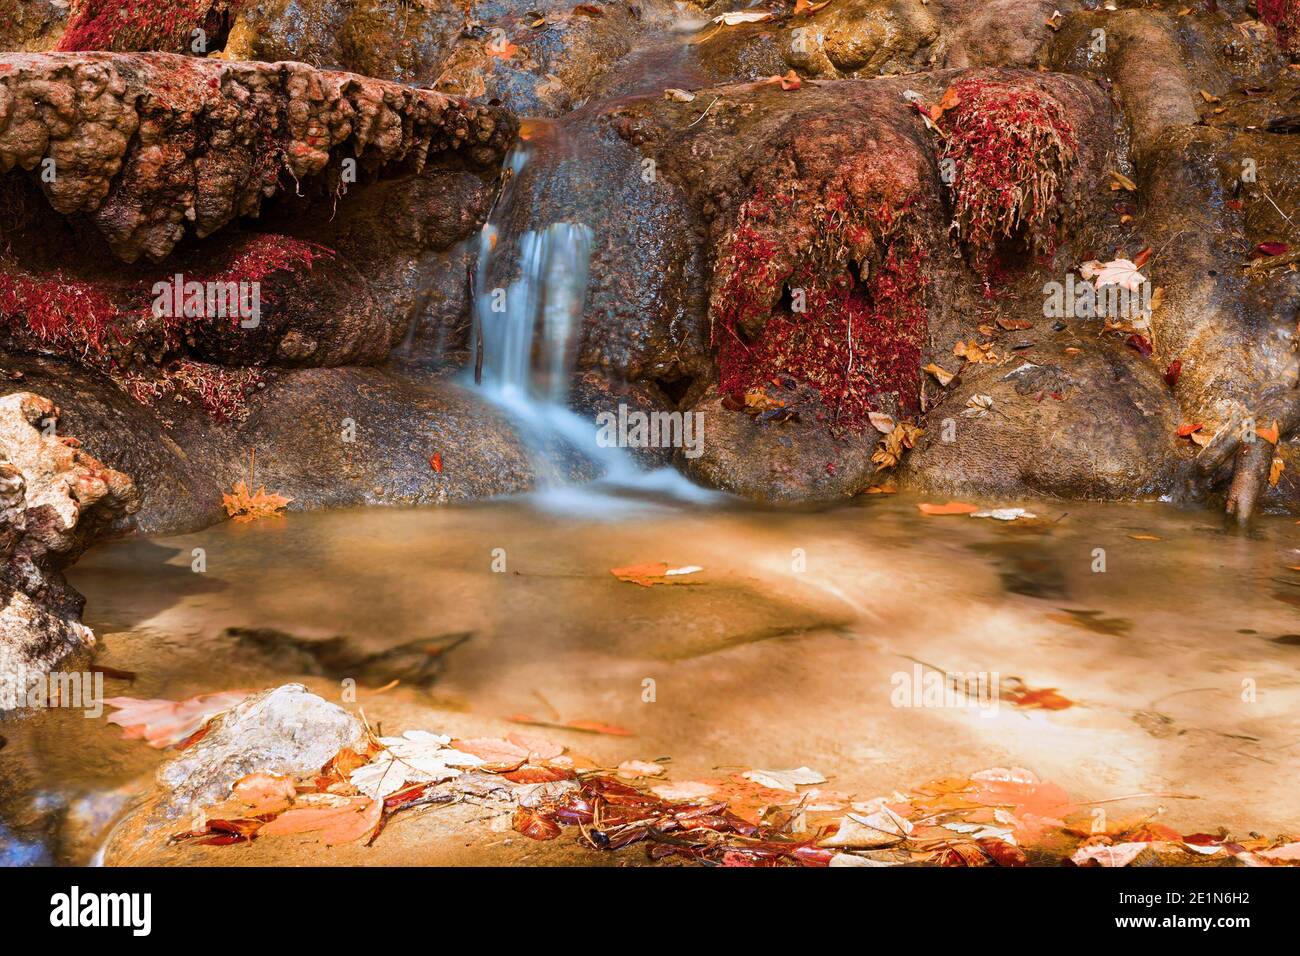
<point x="941" y="375"/>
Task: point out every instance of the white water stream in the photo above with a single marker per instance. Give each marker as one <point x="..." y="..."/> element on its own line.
<point x="529" y="300"/>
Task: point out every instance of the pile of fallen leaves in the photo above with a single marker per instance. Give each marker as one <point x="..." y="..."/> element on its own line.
<point x="760" y="817"/>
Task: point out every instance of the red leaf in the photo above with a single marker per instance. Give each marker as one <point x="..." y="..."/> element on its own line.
<point x="1141" y="258"/>
<point x="1174" y="370"/>
<point x="435" y="462"/>
<point x="534" y="825"/>
<point x="1265" y="249"/>
<point x="1141" y="344"/>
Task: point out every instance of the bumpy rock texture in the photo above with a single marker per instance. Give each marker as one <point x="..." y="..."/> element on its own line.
<point x="203" y="141"/>
<point x="54" y="500"/>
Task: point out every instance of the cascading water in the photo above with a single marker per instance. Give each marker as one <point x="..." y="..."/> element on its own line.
<point x="529" y="297"/>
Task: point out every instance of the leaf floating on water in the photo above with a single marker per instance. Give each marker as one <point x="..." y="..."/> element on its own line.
<point x="1028" y="698"/>
<point x="166" y="723"/>
<point x="648" y="575"/>
<point x="1005" y="514"/>
<point x="1144" y="537"/>
<point x="951" y="508"/>
<point x="743" y="16"/>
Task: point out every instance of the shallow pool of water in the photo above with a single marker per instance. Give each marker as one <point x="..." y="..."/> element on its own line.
<point x="1175" y="641"/>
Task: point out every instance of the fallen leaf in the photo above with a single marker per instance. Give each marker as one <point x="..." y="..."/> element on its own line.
<point x="881" y="422"/>
<point x="415" y="757"/>
<point x="435" y="462"/>
<point x="1120" y="272"/>
<point x="535" y="825"/>
<point x="1122" y="182"/>
<point x="264" y="793"/>
<point x="942" y="376"/>
<point x="679" y="96"/>
<point x="501" y="48"/>
<point x="688" y="791"/>
<point x="1268" y="432"/>
<point x="1186" y="430"/>
<point x="165" y="723"/>
<point x="1275" y="471"/>
<point x="352" y="821"/>
<point x="1209" y="97"/>
<point x="648" y="575"/>
<point x="743" y="16"/>
<point x="951" y="508"/>
<point x="1144" y="537"/>
<point x="1004" y="514"/>
<point x="784" y="779"/>
<point x="493" y="750"/>
<point x="1172" y="372"/>
<point x="631" y="769"/>
<point x="1267" y="249"/>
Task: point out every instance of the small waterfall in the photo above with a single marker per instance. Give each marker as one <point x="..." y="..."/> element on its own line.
<point x="529" y="297"/>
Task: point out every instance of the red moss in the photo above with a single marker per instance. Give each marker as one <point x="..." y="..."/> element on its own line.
<point x="135" y="25"/>
<point x="1013" y="152"/>
<point x="220" y="391"/>
<point x="56" y="314"/>
<point x="1284" y="17"/>
<point x="855" y="341"/>
<point x="108" y="326"/>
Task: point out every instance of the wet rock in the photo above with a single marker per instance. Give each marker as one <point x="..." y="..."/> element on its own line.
<point x="1098" y="423"/>
<point x="539" y="58"/>
<point x="31" y="24"/>
<point x="286" y="730"/>
<point x="54" y="500"/>
<point x="144" y="144"/>
<point x="324" y="437"/>
<point x="791" y="462"/>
